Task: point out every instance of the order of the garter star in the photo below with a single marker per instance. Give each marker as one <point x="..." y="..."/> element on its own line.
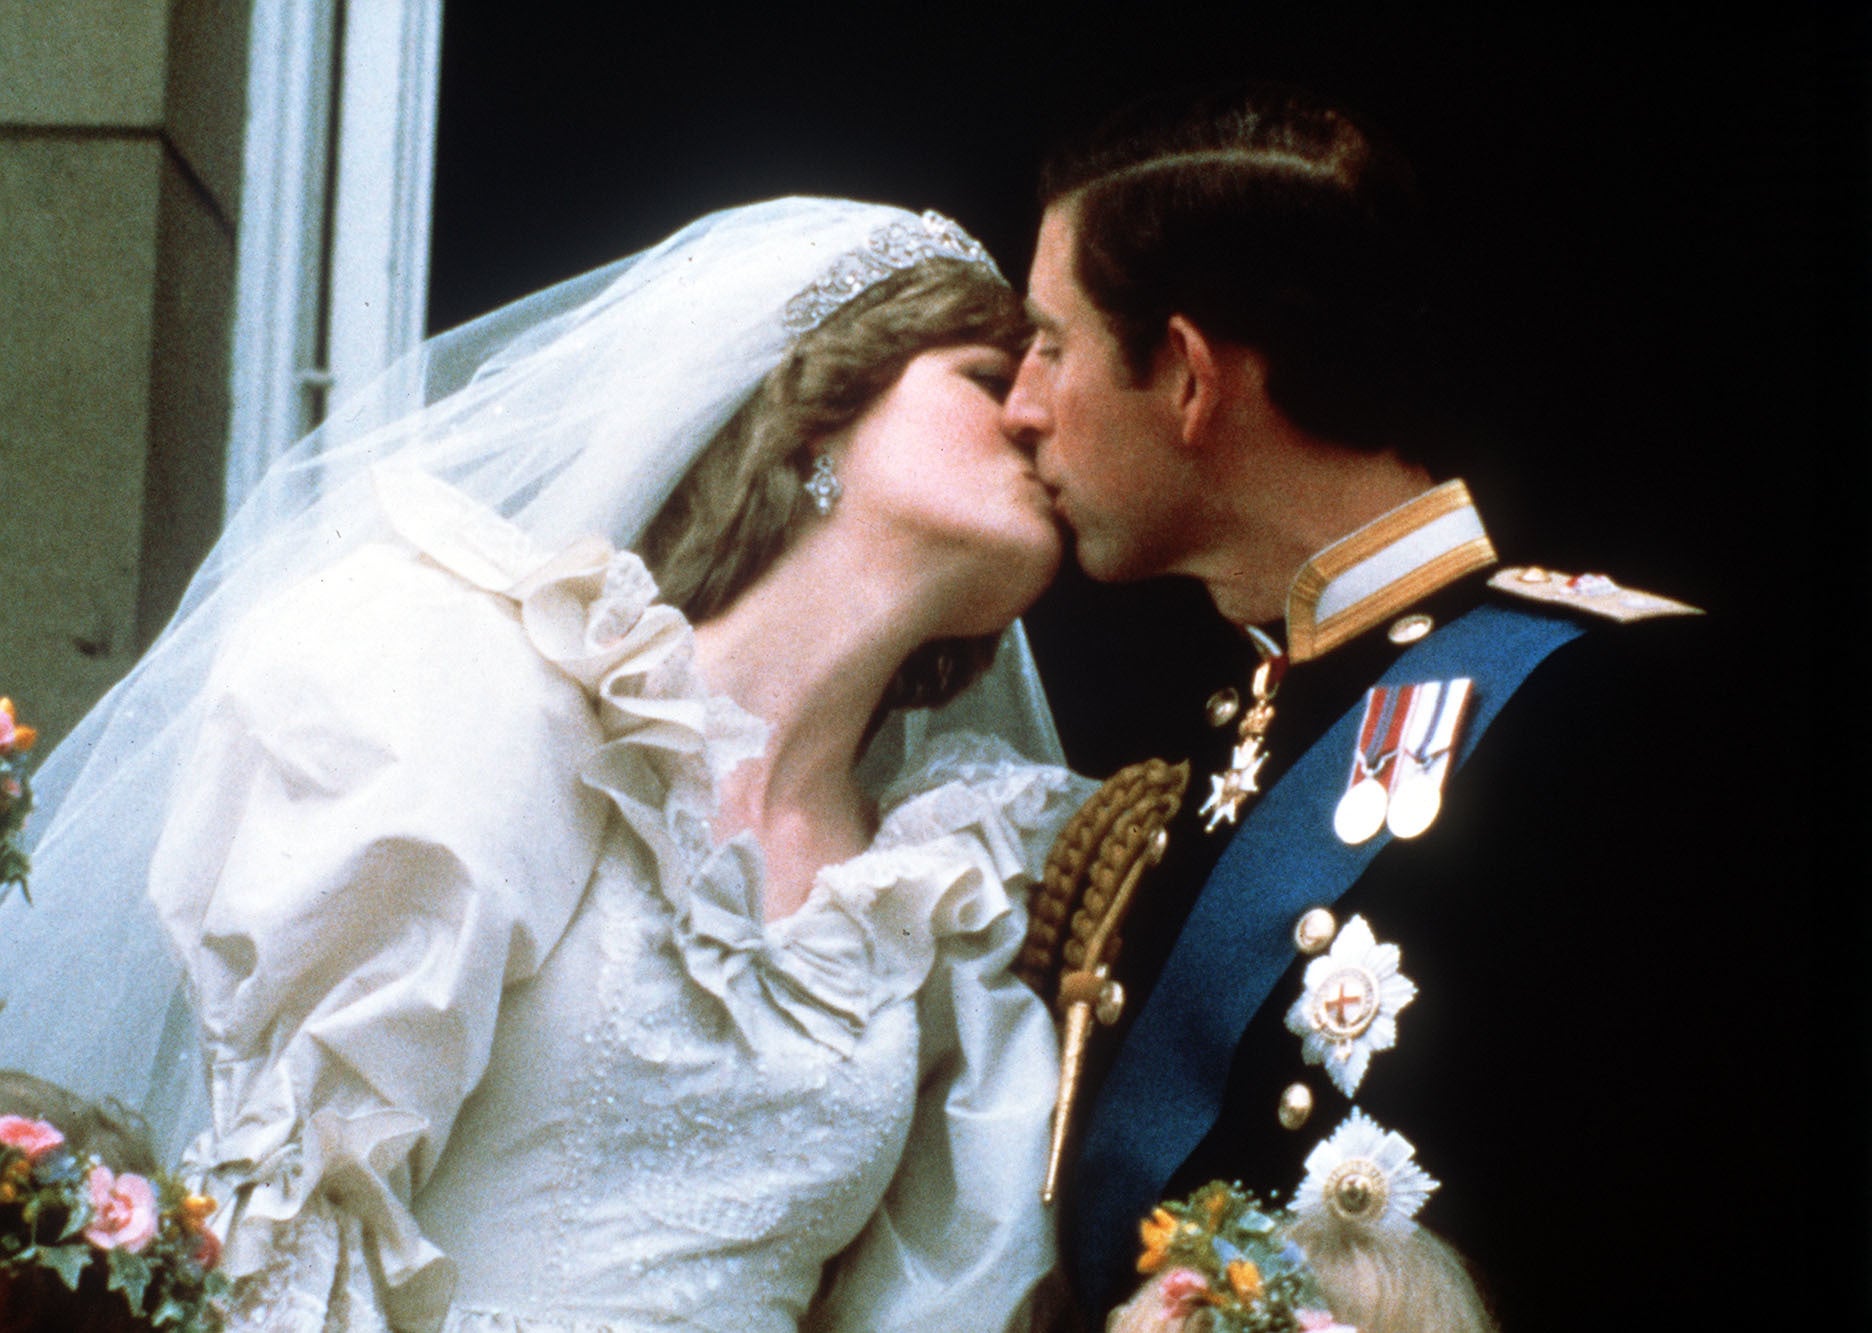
<point x="1349" y="1007"/>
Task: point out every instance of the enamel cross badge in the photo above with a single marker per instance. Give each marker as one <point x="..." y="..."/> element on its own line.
<point x="1230" y="789"/>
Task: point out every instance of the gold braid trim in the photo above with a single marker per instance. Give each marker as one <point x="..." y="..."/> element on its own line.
<point x="1091" y="879"/>
<point x="1104" y="840"/>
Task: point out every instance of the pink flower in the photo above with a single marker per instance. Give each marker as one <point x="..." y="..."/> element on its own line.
<point x="35" y="1138"/>
<point x="1184" y="1292"/>
<point x="123" y="1211"/>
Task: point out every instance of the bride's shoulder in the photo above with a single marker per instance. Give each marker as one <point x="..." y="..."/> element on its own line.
<point x="378" y="610"/>
<point x="973" y="759"/>
<point x="966" y="780"/>
<point x="976" y="761"/>
<point x="392" y="651"/>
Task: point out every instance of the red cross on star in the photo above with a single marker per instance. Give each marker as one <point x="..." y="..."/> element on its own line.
<point x="1345" y="997"/>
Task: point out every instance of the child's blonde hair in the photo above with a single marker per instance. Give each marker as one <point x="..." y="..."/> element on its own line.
<point x="1392" y="1282"/>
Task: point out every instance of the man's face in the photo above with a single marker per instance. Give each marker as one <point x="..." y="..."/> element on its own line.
<point x="1104" y="446"/>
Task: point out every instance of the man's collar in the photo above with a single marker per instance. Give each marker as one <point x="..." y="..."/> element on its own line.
<point x="1393" y="561"/>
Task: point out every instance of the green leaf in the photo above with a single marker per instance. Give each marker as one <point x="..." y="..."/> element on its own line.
<point x="75" y="1221"/>
<point x="172" y="1311"/>
<point x="68" y="1261"/>
<point x="130" y="1275"/>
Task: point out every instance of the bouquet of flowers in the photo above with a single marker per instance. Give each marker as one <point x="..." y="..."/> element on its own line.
<point x="15" y="796"/>
<point x="1222" y="1252"/>
<point x="144" y="1237"/>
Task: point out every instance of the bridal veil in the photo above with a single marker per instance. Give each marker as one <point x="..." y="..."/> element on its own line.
<point x="574" y="411"/>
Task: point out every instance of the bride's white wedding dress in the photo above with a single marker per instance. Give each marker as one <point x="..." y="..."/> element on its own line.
<point x="497" y="1034"/>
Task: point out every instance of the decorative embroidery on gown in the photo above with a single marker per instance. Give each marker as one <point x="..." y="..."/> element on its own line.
<point x="514" y="1049"/>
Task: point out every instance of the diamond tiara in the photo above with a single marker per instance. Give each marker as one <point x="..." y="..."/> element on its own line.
<point x="893" y="247"/>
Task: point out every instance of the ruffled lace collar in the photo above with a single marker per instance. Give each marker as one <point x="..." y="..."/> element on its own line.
<point x="959" y="825"/>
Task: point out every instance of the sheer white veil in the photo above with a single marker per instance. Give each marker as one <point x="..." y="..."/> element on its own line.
<point x="573" y="411"/>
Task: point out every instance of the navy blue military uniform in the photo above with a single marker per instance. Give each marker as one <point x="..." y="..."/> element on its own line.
<point x="1614" y="1024"/>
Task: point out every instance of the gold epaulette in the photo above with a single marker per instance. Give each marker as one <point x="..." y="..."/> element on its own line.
<point x="1594" y="594"/>
<point x="1091" y="880"/>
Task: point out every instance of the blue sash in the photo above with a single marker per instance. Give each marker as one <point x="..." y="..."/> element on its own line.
<point x="1164" y="1092"/>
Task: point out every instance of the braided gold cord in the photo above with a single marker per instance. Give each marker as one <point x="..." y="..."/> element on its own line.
<point x="1099" y="847"/>
<point x="1090" y="882"/>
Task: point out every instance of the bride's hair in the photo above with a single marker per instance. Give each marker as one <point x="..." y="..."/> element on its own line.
<point x="744" y="498"/>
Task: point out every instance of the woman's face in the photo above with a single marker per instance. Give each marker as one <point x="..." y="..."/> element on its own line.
<point x="929" y="462"/>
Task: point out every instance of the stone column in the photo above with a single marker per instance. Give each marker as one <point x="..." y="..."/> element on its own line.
<point x="120" y="152"/>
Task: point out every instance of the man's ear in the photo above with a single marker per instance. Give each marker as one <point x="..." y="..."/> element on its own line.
<point x="1194" y="380"/>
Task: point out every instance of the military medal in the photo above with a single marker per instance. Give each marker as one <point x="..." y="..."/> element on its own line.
<point x="1415" y="807"/>
<point x="1423" y="759"/>
<point x="1230" y="789"/>
<point x="1361" y="811"/>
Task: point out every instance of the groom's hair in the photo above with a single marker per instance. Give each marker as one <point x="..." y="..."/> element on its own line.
<point x="739" y="506"/>
<point x="1270" y="219"/>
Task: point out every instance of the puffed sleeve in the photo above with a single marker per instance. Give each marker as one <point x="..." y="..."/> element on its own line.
<point x="382" y="828"/>
<point x="962" y="1238"/>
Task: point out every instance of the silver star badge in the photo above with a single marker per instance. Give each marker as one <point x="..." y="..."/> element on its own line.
<point x="1366" y="1176"/>
<point x="1348" y="1012"/>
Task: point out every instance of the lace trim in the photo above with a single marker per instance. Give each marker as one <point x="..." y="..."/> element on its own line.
<point x="297" y="1259"/>
<point x="464" y="1320"/>
<point x="313" y="1280"/>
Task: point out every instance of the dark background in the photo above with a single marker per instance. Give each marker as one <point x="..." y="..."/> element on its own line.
<point x="1653" y="228"/>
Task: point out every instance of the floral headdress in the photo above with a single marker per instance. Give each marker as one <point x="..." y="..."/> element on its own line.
<point x="147" y="1236"/>
<point x="15" y="796"/>
<point x="1222" y="1251"/>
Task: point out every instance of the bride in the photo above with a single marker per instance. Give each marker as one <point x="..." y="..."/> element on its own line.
<point x="585" y="940"/>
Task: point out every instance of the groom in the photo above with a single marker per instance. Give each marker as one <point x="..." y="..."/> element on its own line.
<point x="1532" y="783"/>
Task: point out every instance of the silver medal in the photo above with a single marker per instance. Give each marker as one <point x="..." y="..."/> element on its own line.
<point x="1361" y="811"/>
<point x="1414" y="805"/>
